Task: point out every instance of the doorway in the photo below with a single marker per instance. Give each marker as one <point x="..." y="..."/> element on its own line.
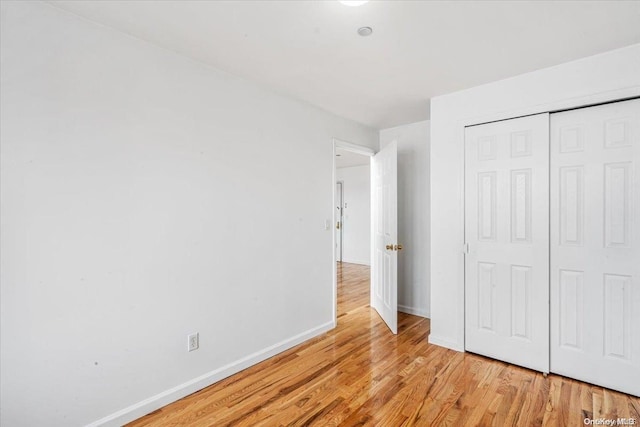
<point x="378" y="224"/>
<point x="353" y="208"/>
<point x="351" y="225"/>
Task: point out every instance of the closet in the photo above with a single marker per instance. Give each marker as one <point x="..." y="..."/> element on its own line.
<point x="552" y="232"/>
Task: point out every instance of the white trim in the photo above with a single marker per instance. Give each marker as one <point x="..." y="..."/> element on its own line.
<point x="354" y="148"/>
<point x="149" y="405"/>
<point x="442" y="342"/>
<point x="413" y="310"/>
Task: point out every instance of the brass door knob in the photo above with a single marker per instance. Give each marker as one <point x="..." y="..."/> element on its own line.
<point x="397" y="248"/>
<point x="389" y="247"/>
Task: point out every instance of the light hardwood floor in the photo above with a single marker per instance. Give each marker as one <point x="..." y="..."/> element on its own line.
<point x="360" y="374"/>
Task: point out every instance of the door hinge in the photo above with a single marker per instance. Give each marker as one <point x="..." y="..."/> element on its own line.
<point x="465" y="248"/>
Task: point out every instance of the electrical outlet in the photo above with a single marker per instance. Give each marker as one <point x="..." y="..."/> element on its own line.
<point x="193" y="342"/>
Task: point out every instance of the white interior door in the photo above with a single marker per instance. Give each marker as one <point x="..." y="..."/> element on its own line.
<point x="595" y="245"/>
<point x="384" y="227"/>
<point x="507" y="241"/>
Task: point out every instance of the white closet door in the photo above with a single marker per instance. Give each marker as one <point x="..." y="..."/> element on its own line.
<point x="507" y="233"/>
<point x="595" y="245"/>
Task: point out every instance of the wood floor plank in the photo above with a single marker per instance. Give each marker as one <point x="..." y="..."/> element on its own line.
<point x="360" y="374"/>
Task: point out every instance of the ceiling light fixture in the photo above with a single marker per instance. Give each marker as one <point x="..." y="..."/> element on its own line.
<point x="353" y="3"/>
<point x="365" y="31"/>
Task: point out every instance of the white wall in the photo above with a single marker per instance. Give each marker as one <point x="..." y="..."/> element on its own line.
<point x="604" y="77"/>
<point x="413" y="215"/>
<point x="356" y="233"/>
<point x="142" y="200"/>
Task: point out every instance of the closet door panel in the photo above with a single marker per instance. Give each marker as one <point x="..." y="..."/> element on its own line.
<point x="507" y="232"/>
<point x="595" y="245"/>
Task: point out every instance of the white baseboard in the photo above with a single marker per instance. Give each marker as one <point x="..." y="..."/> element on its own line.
<point x="445" y="343"/>
<point x="149" y="405"/>
<point x="413" y="310"/>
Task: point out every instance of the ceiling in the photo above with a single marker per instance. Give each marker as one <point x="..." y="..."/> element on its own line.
<point x="347" y="159"/>
<point x="419" y="49"/>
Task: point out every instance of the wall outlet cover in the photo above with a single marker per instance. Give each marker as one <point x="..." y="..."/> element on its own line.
<point x="193" y="342"/>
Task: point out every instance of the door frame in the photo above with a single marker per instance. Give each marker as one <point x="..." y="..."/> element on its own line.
<point x="340" y="220"/>
<point x="357" y="149"/>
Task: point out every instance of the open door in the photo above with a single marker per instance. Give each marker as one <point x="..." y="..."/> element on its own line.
<point x="384" y="232"/>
